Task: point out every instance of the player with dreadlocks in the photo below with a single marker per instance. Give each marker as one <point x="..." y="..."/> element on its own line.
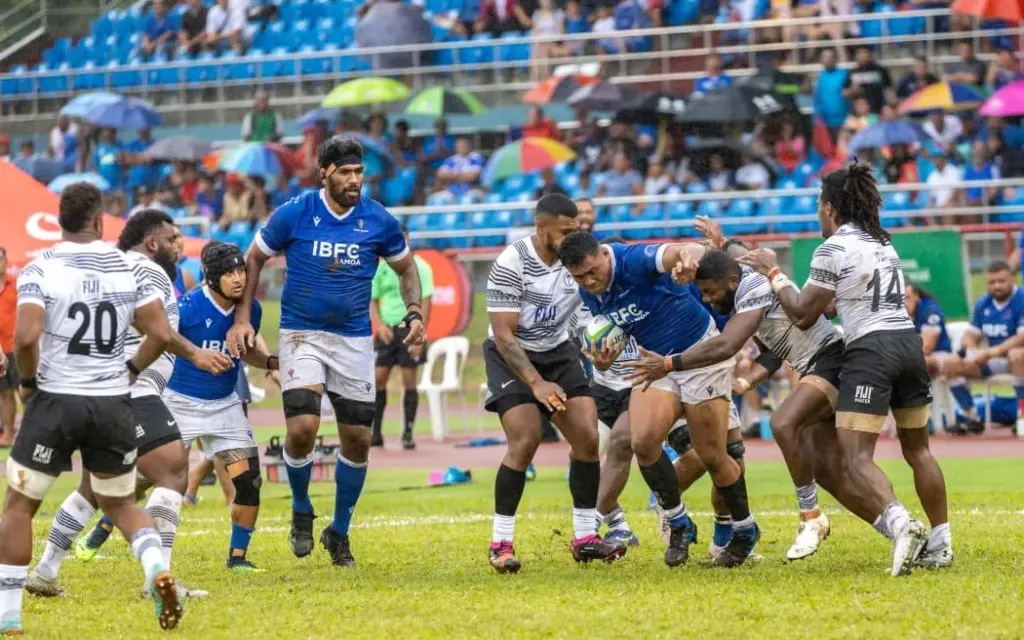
<point x="883" y="364"/>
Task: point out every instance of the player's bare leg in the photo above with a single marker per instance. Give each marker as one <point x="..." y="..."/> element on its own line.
<point x="823" y="441"/>
<point x="16" y="551"/>
<point x="302" y="420"/>
<point x="930" y="486"/>
<point x="618" y="458"/>
<point x="578" y="424"/>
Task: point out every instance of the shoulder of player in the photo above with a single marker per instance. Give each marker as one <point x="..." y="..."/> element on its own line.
<point x="752" y="283"/>
<point x="511" y="257"/>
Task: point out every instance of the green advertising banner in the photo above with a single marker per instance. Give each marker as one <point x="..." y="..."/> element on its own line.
<point x="932" y="259"/>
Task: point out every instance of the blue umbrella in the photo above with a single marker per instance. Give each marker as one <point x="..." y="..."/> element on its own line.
<point x="253" y="159"/>
<point x="83" y="104"/>
<point x="126" y="113"/>
<point x="310" y="118"/>
<point x="40" y="167"/>
<point x="61" y="183"/>
<point x="886" y="134"/>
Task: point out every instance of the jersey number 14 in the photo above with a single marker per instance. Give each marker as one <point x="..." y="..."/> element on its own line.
<point x="893" y="294"/>
<point x="103" y="344"/>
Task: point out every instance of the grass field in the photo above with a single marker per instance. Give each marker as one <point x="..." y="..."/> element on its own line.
<point x="423" y="573"/>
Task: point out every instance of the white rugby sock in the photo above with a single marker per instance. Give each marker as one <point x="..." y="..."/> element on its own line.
<point x="941" y="537"/>
<point x="896" y="518"/>
<point x="504" y="528"/>
<point x="163" y="506"/>
<point x="12" y="587"/>
<point x="616" y="520"/>
<point x="146" y="547"/>
<point x="807" y="497"/>
<point x="69" y="521"/>
<point x="584" y="522"/>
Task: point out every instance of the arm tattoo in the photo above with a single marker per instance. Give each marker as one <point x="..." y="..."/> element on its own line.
<point x="409" y="285"/>
<point x="516" y="359"/>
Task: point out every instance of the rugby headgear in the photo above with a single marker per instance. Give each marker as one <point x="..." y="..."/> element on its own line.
<point x="218" y="260"/>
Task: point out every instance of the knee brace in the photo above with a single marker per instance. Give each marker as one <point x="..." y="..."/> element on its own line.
<point x="300" y="402"/>
<point x="736" y="449"/>
<point x="247" y="484"/>
<point x="354" y="412"/>
<point x="679" y="439"/>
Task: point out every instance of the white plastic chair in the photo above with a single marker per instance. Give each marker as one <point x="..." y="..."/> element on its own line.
<point x="455" y="351"/>
<point x="956" y="331"/>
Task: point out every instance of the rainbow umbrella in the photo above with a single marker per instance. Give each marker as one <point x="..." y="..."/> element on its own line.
<point x="253" y="159"/>
<point x="525" y="156"/>
<point x="1008" y="101"/>
<point x="947" y="96"/>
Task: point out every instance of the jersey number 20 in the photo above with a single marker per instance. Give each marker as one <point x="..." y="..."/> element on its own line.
<point x="893" y="294"/>
<point x="103" y="344"/>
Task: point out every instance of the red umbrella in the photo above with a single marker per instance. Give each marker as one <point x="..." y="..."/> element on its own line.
<point x="556" y="89"/>
<point x="1008" y="10"/>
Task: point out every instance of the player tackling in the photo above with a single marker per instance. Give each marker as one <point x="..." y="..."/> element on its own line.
<point x="332" y="241"/>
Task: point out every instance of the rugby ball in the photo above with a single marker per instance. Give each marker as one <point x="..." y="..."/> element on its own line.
<point x="603" y="334"/>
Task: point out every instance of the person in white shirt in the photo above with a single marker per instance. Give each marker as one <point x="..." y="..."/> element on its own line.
<point x="657" y="181"/>
<point x="946" y="174"/>
<point x="943" y="128"/>
<point x="59" y="134"/>
<point x="753" y="175"/>
<point x="225" y="26"/>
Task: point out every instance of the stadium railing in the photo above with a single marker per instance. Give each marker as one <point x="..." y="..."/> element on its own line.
<point x="226" y="82"/>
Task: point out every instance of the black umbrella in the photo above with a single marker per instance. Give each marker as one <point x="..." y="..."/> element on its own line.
<point x="390" y="24"/>
<point x="178" y="148"/>
<point x="650" y="108"/>
<point x="735" y="104"/>
<point x="602" y="96"/>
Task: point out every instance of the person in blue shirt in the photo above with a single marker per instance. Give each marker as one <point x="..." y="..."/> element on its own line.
<point x="159" y="31"/>
<point x="829" y="102"/>
<point x="437" y="148"/>
<point x="714" y="77"/>
<point x="107" y="158"/>
<point x="143" y="170"/>
<point x="929" y="320"/>
<point x="332" y="241"/>
<point x="461" y="172"/>
<point x="998" y="321"/>
<point x="206" y="405"/>
<point x="633" y="286"/>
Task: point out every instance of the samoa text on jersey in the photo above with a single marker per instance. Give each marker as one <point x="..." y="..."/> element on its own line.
<point x="999" y="322"/>
<point x="643" y="301"/>
<point x="203" y="323"/>
<point x="331" y="260"/>
<point x="929" y="316"/>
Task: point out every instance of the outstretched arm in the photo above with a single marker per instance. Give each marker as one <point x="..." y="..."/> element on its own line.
<point x="802" y="307"/>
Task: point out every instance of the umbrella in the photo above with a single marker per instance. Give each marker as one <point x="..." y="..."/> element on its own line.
<point x="362" y="91"/>
<point x="252" y="159"/>
<point x="556" y="89"/>
<point x="948" y="96"/>
<point x="734" y="104"/>
<point x="178" y="148"/>
<point x="438" y="101"/>
<point x="885" y="134"/>
<point x="390" y="24"/>
<point x="64" y="181"/>
<point x="125" y="113"/>
<point x="1008" y="10"/>
<point x="525" y="156"/>
<point x="285" y="157"/>
<point x="371" y="145"/>
<point x="84" y="103"/>
<point x="602" y="96"/>
<point x="1008" y="101"/>
<point x="310" y="118"/>
<point x="40" y="167"/>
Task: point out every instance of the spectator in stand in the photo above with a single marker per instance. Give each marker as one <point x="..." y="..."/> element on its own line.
<point x="107" y="158"/>
<point x="657" y="182"/>
<point x="981" y="168"/>
<point x="26" y="152"/>
<point x="1012" y="135"/>
<point x="259" y="199"/>
<point x="752" y="175"/>
<point x="499" y="16"/>
<point x="575" y="22"/>
<point x="785" y="82"/>
<point x="437" y="148"/>
<point x="549" y="185"/>
<point x="376" y="168"/>
<point x="168" y="195"/>
<point x="942" y="128"/>
<point x="946" y="174"/>
<point x="193" y="27"/>
<point x="142" y="170"/>
<point x="537" y="126"/>
<point x="145" y="198"/>
<point x="791" y="148"/>
<point x="62" y="136"/>
<point x="901" y="168"/>
<point x="1003" y="70"/>
<point x="159" y="33"/>
<point x="714" y="76"/>
<point x="869" y="80"/>
<point x="967" y="70"/>
<point x="188" y="188"/>
<point x="262" y="124"/>
<point x="916" y="79"/>
<point x="630" y="15"/>
<point x="605" y="23"/>
<point x="9" y="379"/>
<point x="209" y="200"/>
<point x="405" y="148"/>
<point x="307" y="169"/>
<point x="620" y="140"/>
<point x="622" y="180"/>
<point x="861" y="118"/>
<point x="114" y="205"/>
<point x="829" y="102"/>
<point x="461" y="172"/>
<point x="546" y="21"/>
<point x="237" y="202"/>
<point x="588" y="144"/>
<point x="719" y="178"/>
<point x="225" y="27"/>
<point x="1008" y="160"/>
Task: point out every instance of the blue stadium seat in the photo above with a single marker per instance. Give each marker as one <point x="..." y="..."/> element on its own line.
<point x="10" y="84"/>
<point x="742" y="208"/>
<point x="711" y="208"/>
<point x="803" y="205"/>
<point x="324" y="31"/>
<point x="52" y="83"/>
<point x="100" y="28"/>
<point x="516" y="51"/>
<point x="1016" y="201"/>
<point x="237" y="68"/>
<point x="125" y="76"/>
<point x="482" y="54"/>
<point x="516" y="185"/>
<point x="87" y="78"/>
<point x="895" y="202"/>
<point x="803" y="172"/>
<point x="205" y="71"/>
<point x="446" y="57"/>
<point x="776" y="206"/>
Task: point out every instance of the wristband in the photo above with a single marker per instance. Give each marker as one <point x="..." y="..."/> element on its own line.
<point x="132" y="369"/>
<point x="677" y="362"/>
<point x="728" y="243"/>
<point x="409" y="317"/>
<point x="779" y="281"/>
<point x="28" y="383"/>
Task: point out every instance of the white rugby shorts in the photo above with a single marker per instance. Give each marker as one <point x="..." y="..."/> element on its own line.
<point x="343" y="364"/>
<point x="220" y="425"/>
<point x="700" y="385"/>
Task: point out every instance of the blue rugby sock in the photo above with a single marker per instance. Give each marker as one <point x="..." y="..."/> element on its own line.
<point x="349" y="478"/>
<point x="963" y="396"/>
<point x="723" y="530"/>
<point x="240" y="537"/>
<point x="300" y="472"/>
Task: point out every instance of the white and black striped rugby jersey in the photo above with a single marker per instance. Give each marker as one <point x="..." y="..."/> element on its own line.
<point x="776" y="331"/>
<point x="153" y="379"/>
<point x="868" y="280"/>
<point x="546" y="298"/>
<point x="90" y="293"/>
